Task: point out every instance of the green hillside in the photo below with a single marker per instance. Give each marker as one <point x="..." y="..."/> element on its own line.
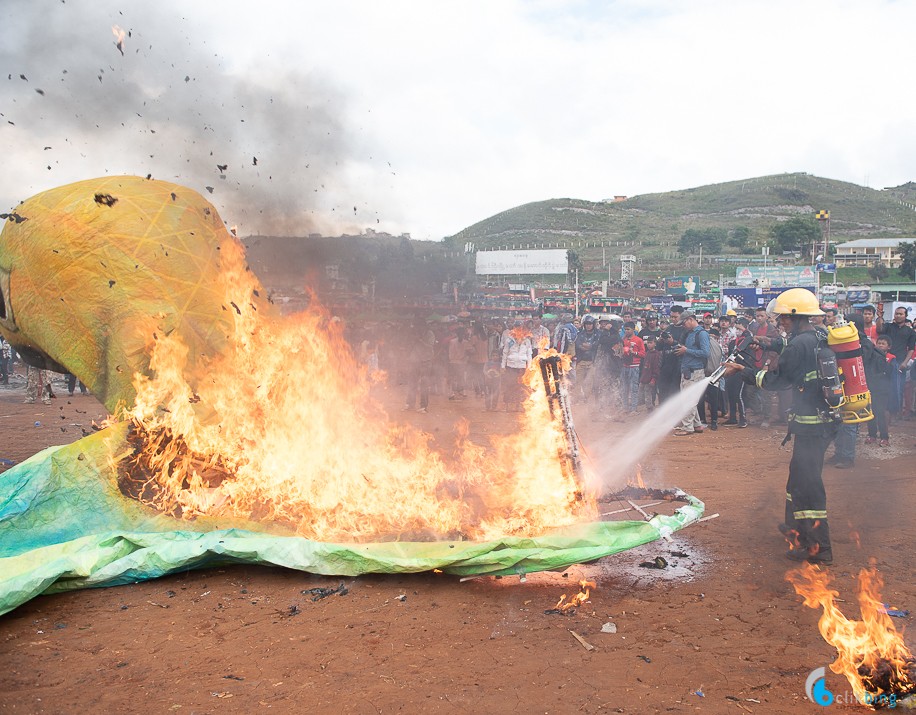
<point x="650" y="225"/>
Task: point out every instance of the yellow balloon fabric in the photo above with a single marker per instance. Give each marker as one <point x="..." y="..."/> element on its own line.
<point x="91" y="270"/>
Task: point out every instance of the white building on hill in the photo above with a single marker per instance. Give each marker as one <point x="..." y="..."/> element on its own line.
<point x="867" y="251"/>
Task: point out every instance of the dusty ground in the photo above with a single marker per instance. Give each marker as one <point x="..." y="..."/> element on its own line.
<point x="720" y="631"/>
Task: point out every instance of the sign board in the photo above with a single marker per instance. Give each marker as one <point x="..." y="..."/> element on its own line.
<point x="682" y="285"/>
<point x="856" y="295"/>
<point x="739" y="299"/>
<point x="661" y="303"/>
<point x="780" y="276"/>
<point x="540" y="262"/>
<point x="704" y="306"/>
<point x="825" y="267"/>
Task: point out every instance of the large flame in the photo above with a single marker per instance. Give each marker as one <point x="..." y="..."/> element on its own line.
<point x="281" y="427"/>
<point x="871" y="653"/>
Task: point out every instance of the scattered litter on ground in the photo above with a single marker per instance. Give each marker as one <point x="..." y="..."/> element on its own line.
<point x="895" y="612"/>
<point x="319" y="593"/>
<point x="658" y="563"/>
<point x="585" y="644"/>
<point x="609" y="627"/>
<point x="560" y="612"/>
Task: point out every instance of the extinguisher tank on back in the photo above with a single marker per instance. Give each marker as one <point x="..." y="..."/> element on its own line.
<point x="843" y="339"/>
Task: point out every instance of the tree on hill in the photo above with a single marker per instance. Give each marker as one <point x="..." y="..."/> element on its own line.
<point x="710" y="238"/>
<point x="878" y="271"/>
<point x="740" y="237"/>
<point x="796" y="233"/>
<point x="908" y="258"/>
<point x="575" y="264"/>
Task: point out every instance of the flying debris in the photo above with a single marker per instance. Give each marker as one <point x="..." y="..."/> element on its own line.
<point x="22" y="76"/>
<point x="107" y="199"/>
<point x="254" y="160"/>
<point x="13" y="217"/>
<point x="119" y="36"/>
<point x="40" y="91"/>
<point x="222" y="167"/>
<point x="209" y="188"/>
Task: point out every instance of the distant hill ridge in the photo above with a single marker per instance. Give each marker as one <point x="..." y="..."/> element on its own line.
<point x="653" y="223"/>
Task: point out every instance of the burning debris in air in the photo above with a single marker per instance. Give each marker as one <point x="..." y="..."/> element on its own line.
<point x="871" y="653"/>
<point x="119" y="37"/>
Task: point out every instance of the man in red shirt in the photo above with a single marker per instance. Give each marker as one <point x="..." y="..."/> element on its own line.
<point x="632" y="351"/>
<point x="871" y="327"/>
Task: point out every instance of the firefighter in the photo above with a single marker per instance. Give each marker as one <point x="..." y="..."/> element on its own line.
<point x="809" y="422"/>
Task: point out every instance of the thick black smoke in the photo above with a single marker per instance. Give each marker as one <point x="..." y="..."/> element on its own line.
<point x="170" y="107"/>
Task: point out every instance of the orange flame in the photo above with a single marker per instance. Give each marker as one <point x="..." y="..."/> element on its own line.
<point x="637" y="481"/>
<point x="584" y="592"/>
<point x="281" y="428"/>
<point x="871" y="653"/>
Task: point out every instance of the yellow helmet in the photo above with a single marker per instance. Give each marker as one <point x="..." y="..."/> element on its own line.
<point x="730" y="312"/>
<point x="797" y="301"/>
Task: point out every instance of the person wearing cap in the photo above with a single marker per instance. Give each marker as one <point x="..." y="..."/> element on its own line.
<point x="707" y="321"/>
<point x="669" y="375"/>
<point x="607" y="363"/>
<point x="632" y="352"/>
<point x="586" y="352"/>
<point x="693" y="352"/>
<point x="810" y="424"/>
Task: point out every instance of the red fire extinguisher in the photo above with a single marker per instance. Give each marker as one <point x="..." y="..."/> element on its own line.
<point x="843" y="339"/>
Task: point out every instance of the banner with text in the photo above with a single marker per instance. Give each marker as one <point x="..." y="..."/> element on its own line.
<point x="682" y="285"/>
<point x="775" y="276"/>
<point x="541" y="262"/>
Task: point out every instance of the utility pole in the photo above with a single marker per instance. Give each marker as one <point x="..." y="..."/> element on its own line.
<point x="823" y="217"/>
<point x="577" y="293"/>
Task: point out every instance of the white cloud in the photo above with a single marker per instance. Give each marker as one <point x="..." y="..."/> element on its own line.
<point x="435" y="115"/>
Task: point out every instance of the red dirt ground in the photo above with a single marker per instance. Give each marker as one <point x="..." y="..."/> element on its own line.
<point x="719" y="631"/>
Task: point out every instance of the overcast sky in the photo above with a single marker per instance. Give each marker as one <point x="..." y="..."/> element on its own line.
<point x="426" y="117"/>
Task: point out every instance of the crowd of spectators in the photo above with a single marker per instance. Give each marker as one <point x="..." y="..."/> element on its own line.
<point x="629" y="364"/>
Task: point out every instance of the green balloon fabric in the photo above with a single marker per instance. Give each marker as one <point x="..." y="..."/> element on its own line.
<point x="65" y="525"/>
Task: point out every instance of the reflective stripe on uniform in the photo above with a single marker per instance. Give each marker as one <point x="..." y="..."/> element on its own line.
<point x="759" y="378"/>
<point x="810" y="514"/>
<point x="788" y="496"/>
<point x="808" y="419"/>
<point x="811" y="376"/>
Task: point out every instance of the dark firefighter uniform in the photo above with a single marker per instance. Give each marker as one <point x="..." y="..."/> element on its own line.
<point x="813" y="429"/>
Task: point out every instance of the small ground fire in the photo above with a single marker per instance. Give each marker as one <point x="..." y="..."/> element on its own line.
<point x="871" y="653"/>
